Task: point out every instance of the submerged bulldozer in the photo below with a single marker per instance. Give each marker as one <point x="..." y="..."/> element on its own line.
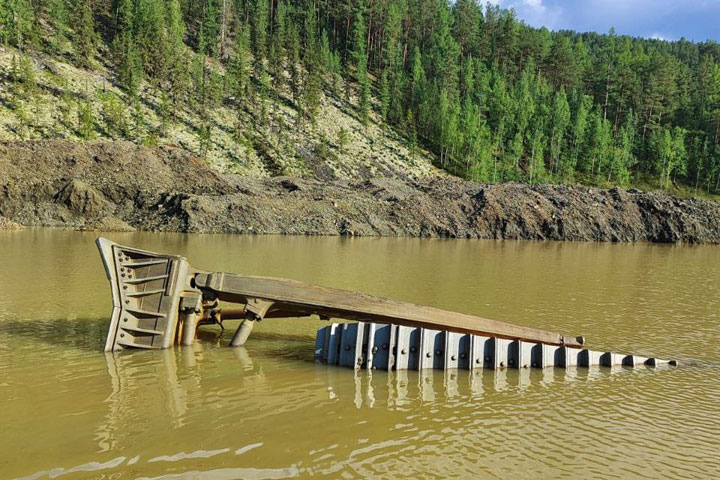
<point x="159" y="301"/>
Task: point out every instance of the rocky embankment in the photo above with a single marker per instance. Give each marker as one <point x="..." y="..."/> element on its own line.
<point x="119" y="186"/>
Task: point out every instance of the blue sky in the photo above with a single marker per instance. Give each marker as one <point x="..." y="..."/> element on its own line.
<point x="695" y="20"/>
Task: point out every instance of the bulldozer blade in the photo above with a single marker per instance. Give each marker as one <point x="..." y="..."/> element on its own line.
<point x="158" y="301"/>
<point x="146" y="290"/>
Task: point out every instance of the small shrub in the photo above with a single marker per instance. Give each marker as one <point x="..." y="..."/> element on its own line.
<point x="86" y="121"/>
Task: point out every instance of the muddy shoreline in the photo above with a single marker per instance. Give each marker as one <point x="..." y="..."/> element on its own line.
<point x="116" y="186"/>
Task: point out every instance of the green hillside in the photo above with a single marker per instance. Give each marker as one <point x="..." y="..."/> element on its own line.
<point x="354" y="87"/>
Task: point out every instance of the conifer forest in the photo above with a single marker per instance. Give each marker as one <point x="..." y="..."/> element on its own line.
<point x="489" y="97"/>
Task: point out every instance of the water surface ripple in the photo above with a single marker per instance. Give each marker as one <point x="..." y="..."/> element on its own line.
<point x="268" y="411"/>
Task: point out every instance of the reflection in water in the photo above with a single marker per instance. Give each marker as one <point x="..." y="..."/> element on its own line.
<point x="184" y="456"/>
<point x="171" y="392"/>
<point x="171" y="379"/>
<point x="176" y="379"/>
<point x="396" y="389"/>
<point x="247" y="448"/>
<point x="129" y="377"/>
<point x="230" y="474"/>
<point x="268" y="411"/>
<point x="86" y="467"/>
<point x="215" y="474"/>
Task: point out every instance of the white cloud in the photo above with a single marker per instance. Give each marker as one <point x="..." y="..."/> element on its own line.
<point x="536" y="4"/>
<point x="660" y="36"/>
<point x="535" y="12"/>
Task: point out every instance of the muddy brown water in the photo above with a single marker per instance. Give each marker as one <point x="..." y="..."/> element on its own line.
<point x="67" y="410"/>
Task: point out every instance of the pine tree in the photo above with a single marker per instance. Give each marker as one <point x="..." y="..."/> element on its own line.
<point x="18" y="22"/>
<point x="113" y="116"/>
<point x="177" y="75"/>
<point x="259" y="39"/>
<point x="466" y="13"/>
<point x="713" y="103"/>
<point x="470" y="142"/>
<point x="127" y="61"/>
<point x="86" y="121"/>
<point x="623" y="159"/>
<point x="326" y="53"/>
<point x="26" y="87"/>
<point x="537" y="162"/>
<point x="259" y="36"/>
<point x="417" y="83"/>
<point x="600" y="146"/>
<point x="384" y="95"/>
<point x="57" y="14"/>
<point x="560" y="124"/>
<point x="240" y="65"/>
<point x="152" y="38"/>
<point x="208" y="34"/>
<point x="393" y="33"/>
<point x="445" y="53"/>
<point x="310" y="29"/>
<point x="279" y="42"/>
<point x="312" y="82"/>
<point x="360" y="62"/>
<point x="123" y="12"/>
<point x="578" y="138"/>
<point x="671" y="154"/>
<point x="343" y="139"/>
<point x="561" y="64"/>
<point x="293" y="61"/>
<point x="658" y="92"/>
<point x="85" y="38"/>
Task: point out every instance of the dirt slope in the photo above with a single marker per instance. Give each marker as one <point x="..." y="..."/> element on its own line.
<point x="119" y="186"/>
<point x="240" y="142"/>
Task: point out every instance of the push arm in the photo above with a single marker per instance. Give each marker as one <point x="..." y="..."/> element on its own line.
<point x="293" y="296"/>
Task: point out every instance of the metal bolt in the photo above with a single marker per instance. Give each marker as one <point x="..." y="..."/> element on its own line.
<point x="124" y="287"/>
<point x="438" y="352"/>
<point x="512" y="362"/>
<point x="122" y="275"/>
<point x="534" y="364"/>
<point x="127" y="301"/>
<point x="428" y="354"/>
<point x="374" y="349"/>
<point x="124" y="319"/>
<point x="477" y="360"/>
<point x="403" y="351"/>
<point x="462" y="355"/>
<point x="413" y="349"/>
<point x="487" y="358"/>
<point x="122" y="334"/>
<point x="385" y="346"/>
<point x="454" y="357"/>
<point x="347" y="348"/>
<point x="502" y="364"/>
